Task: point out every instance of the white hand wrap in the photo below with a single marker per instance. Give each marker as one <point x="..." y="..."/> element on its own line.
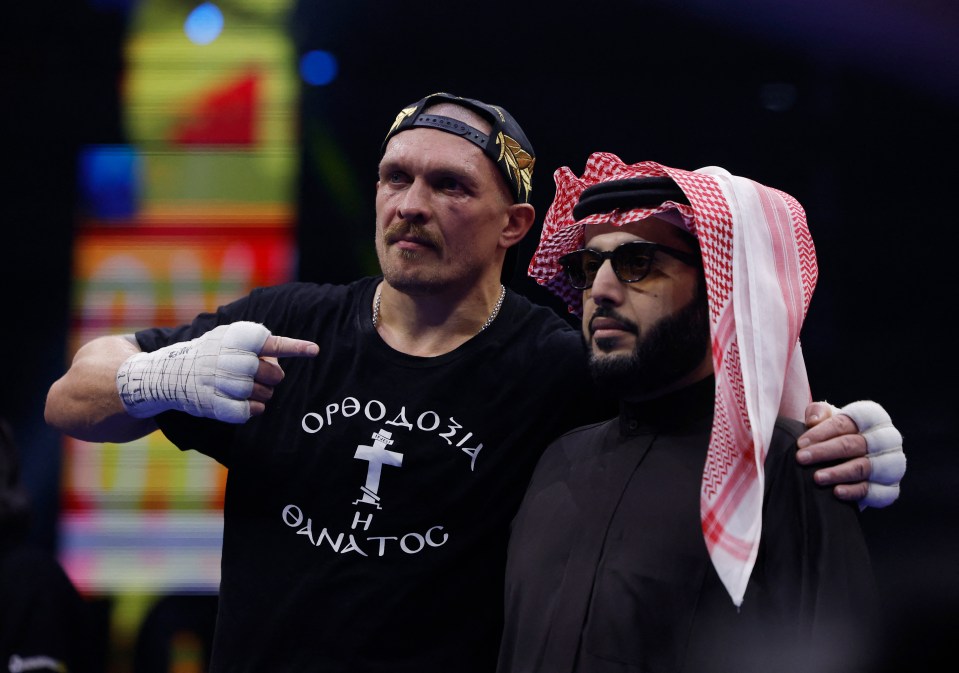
<point x="210" y="376"/>
<point x="884" y="450"/>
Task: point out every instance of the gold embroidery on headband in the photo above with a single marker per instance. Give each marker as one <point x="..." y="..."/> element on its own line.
<point x="502" y="117"/>
<point x="404" y="113"/>
<point x="517" y="160"/>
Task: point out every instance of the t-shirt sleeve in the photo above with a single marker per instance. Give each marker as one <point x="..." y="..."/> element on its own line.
<point x="158" y="337"/>
<point x="291" y="309"/>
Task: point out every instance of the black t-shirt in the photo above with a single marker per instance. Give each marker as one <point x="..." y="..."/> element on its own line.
<point x="367" y="510"/>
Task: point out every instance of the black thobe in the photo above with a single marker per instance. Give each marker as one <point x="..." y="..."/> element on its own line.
<point x="608" y="570"/>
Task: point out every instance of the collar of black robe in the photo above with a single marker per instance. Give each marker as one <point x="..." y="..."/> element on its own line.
<point x="687" y="408"/>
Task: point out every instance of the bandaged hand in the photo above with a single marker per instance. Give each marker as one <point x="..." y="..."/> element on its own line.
<point x="884" y="449"/>
<point x="863" y="434"/>
<point x="213" y="376"/>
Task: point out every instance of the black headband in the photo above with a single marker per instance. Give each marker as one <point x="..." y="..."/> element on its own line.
<point x="506" y="145"/>
<point x="627" y="194"/>
<point x="454" y="126"/>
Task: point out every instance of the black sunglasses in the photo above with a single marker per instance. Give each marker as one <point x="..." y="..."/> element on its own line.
<point x="631" y="262"/>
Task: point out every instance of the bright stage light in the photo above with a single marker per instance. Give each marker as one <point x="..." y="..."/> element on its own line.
<point x="204" y="24"/>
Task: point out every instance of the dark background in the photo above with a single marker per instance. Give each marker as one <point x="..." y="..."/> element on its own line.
<point x="850" y="105"/>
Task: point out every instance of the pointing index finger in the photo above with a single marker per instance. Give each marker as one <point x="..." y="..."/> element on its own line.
<point x="287" y="347"/>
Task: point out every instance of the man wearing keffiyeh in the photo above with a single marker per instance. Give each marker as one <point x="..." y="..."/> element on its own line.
<point x="681" y="535"/>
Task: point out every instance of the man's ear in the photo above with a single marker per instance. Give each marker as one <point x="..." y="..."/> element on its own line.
<point x="520" y="218"/>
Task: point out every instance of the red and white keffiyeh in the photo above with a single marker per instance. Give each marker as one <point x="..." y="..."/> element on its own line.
<point x="760" y="267"/>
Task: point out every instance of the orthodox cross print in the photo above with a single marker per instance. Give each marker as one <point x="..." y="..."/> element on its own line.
<point x="377" y="456"/>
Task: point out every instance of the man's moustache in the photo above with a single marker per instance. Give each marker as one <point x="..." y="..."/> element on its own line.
<point x="401" y="231"/>
<point x="612" y="314"/>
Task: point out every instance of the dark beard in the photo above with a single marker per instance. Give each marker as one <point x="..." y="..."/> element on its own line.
<point x="669" y="350"/>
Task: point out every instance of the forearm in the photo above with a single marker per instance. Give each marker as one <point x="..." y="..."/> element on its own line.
<point x="84" y="402"/>
<point x="113" y="390"/>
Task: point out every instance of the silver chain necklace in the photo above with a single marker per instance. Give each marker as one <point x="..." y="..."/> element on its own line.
<point x="489" y="320"/>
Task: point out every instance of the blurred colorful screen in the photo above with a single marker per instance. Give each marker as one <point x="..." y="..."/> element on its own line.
<point x="194" y="210"/>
